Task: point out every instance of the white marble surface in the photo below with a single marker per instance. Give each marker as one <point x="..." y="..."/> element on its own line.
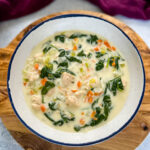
<point x="9" y="29"/>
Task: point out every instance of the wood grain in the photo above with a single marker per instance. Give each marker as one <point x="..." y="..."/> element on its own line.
<point x="128" y="139"/>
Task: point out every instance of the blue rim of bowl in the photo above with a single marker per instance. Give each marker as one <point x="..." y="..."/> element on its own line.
<point x="58" y="142"/>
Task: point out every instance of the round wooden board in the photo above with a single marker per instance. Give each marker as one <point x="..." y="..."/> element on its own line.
<point x="129" y="138"/>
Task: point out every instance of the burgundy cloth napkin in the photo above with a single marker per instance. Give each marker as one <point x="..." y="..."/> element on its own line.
<point x="16" y="8"/>
<point x="139" y="9"/>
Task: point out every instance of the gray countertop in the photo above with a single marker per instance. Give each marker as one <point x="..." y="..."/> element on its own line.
<point x="9" y="29"/>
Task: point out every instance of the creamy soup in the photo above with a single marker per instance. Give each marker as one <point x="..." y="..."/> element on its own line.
<point x="75" y="81"/>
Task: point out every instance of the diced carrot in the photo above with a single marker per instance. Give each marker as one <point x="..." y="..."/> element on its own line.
<point x="75" y="48"/>
<point x="97" y="93"/>
<point x="107" y="44"/>
<point x="114" y="64"/>
<point x="25" y="83"/>
<point x="82" y="122"/>
<point x="113" y="48"/>
<point x="31" y="92"/>
<point x="96" y="49"/>
<point x="94" y="118"/>
<point x="43" y="81"/>
<point x="90" y="93"/>
<point x="36" y="66"/>
<point x="82" y="113"/>
<point x="74" y="91"/>
<point x="43" y="108"/>
<point x="90" y="99"/>
<point x="93" y="114"/>
<point x="79" y="84"/>
<point x="99" y="41"/>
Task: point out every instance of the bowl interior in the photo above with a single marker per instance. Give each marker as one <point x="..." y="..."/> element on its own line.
<point x="76" y="22"/>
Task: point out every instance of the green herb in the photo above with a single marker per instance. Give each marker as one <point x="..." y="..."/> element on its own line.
<point x="73" y="59"/>
<point x="46" y="70"/>
<point x="59" y="71"/>
<point x="99" y="65"/>
<point x="55" y="61"/>
<point x="94" y="103"/>
<point x="78" y="128"/>
<point x="61" y="38"/>
<point x="81" y="54"/>
<point x="65" y="118"/>
<point x="107" y="105"/>
<point x="48" y="85"/>
<point x="114" y="85"/>
<point x="62" y="53"/>
<point x="116" y="60"/>
<point x="92" y="39"/>
<point x="77" y="35"/>
<point x="59" y="122"/>
<point x="51" y="106"/>
<point x="42" y="98"/>
<point x="46" y="49"/>
<point x="99" y="54"/>
<point x="89" y="55"/>
<point x="48" y="46"/>
<point x="63" y="64"/>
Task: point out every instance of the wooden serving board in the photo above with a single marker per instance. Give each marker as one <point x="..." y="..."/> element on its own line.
<point x="127" y="139"/>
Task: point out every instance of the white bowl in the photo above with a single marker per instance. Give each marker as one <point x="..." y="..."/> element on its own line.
<point x="76" y="22"/>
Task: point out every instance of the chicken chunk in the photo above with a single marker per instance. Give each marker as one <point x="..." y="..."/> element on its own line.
<point x="36" y="101"/>
<point x="51" y="92"/>
<point x="67" y="79"/>
<point x="72" y="101"/>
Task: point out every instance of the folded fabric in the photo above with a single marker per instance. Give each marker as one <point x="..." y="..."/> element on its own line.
<point x="16" y="8"/>
<point x="139" y="9"/>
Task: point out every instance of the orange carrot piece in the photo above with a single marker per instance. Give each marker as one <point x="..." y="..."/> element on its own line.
<point x="107" y="44"/>
<point x="99" y="41"/>
<point x="25" y="83"/>
<point x="31" y="92"/>
<point x="82" y="113"/>
<point x="43" y="81"/>
<point x="36" y="66"/>
<point x="113" y="48"/>
<point x="74" y="91"/>
<point x="96" y="49"/>
<point x="75" y="48"/>
<point x="97" y="93"/>
<point x="93" y="114"/>
<point x="79" y="84"/>
<point x="90" y="93"/>
<point x="82" y="122"/>
<point x="43" y="108"/>
<point x="114" y="64"/>
<point x="90" y="99"/>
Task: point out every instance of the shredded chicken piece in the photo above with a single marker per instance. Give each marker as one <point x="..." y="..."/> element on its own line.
<point x="67" y="79"/>
<point x="72" y="101"/>
<point x="36" y="101"/>
<point x="51" y="92"/>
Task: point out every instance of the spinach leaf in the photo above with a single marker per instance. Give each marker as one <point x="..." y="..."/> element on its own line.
<point x="77" y="35"/>
<point x="73" y="59"/>
<point x="62" y="53"/>
<point x="65" y="118"/>
<point x="59" y="71"/>
<point x="48" y="85"/>
<point x="78" y="128"/>
<point x="46" y="49"/>
<point x="99" y="65"/>
<point x="107" y="105"/>
<point x="46" y="70"/>
<point x="114" y="60"/>
<point x="115" y="84"/>
<point x="63" y="64"/>
<point x="61" y="38"/>
<point x="59" y="122"/>
<point x="99" y="54"/>
<point x="92" y="39"/>
<point x="89" y="55"/>
<point x="94" y="103"/>
<point x="52" y="106"/>
<point x="81" y="54"/>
